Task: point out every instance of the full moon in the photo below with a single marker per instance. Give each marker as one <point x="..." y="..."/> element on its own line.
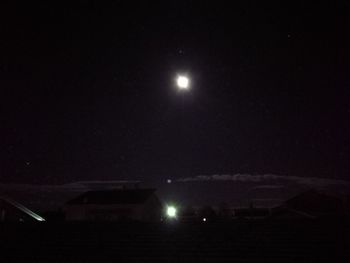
<point x="183" y="82"/>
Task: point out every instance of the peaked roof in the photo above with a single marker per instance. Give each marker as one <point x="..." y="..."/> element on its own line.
<point x="118" y="196"/>
<point x="315" y="202"/>
<point x="312" y="196"/>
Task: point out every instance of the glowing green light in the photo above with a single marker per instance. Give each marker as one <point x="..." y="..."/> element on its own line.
<point x="171" y="211"/>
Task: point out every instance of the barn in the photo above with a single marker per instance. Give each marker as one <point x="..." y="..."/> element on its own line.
<point x="310" y="204"/>
<point x="115" y="205"/>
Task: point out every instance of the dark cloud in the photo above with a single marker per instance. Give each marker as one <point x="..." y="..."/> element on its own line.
<point x="307" y="181"/>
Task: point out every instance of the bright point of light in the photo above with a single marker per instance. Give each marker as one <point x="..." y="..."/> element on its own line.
<point x="204" y="219"/>
<point x="183" y="82"/>
<point x="169" y="181"/>
<point x="171" y="211"/>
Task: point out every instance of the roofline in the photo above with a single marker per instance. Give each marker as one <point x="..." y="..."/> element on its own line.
<point x="300" y="212"/>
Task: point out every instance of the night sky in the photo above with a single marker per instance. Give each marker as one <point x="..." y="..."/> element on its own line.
<point x="87" y="91"/>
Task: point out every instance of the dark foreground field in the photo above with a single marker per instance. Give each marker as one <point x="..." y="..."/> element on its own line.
<point x="302" y="241"/>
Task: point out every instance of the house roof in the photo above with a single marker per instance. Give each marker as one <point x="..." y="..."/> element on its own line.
<point x="118" y="196"/>
<point x="315" y="202"/>
<point x="312" y="196"/>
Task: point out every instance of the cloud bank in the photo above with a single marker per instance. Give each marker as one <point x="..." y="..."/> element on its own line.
<point x="263" y="178"/>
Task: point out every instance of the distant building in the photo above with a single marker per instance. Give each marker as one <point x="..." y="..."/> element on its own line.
<point x="251" y="213"/>
<point x="310" y="204"/>
<point x="12" y="211"/>
<point x="115" y="205"/>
